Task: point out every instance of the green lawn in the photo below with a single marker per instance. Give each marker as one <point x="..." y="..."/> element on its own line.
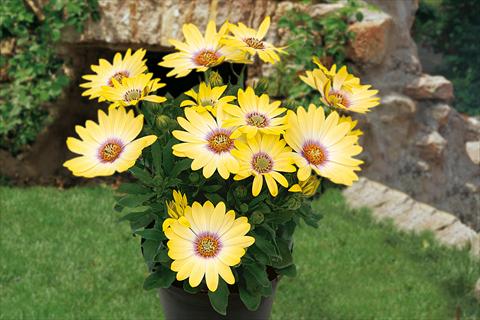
<point x="64" y="256"/>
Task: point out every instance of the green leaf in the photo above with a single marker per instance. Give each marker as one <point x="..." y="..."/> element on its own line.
<point x="150" y="248"/>
<point x="168" y="157"/>
<point x="151" y="234"/>
<point x="142" y="175"/>
<point x="133" y="200"/>
<point x="190" y="289"/>
<point x="259" y="272"/>
<point x="285" y="255"/>
<point x="290" y="271"/>
<point x="219" y="298"/>
<point x="133" y="188"/>
<point x="180" y="166"/>
<point x="163" y="277"/>
<point x="251" y="300"/>
<point x="213" y="188"/>
<point x="156" y="150"/>
<point x="264" y="242"/>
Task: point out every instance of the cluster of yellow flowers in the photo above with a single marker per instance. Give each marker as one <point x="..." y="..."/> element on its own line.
<point x="246" y="135"/>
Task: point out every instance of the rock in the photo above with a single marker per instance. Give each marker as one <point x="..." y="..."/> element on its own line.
<point x="322" y="9"/>
<point x="152" y="22"/>
<point x="440" y="113"/>
<point x="456" y="235"/>
<point x="430" y="87"/>
<point x="399" y="107"/>
<point x="410" y="215"/>
<point x="432" y="144"/>
<point x="371" y="38"/>
<point x="473" y="151"/>
<point x="422" y="165"/>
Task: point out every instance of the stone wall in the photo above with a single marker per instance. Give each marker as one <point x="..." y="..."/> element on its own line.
<point x="414" y="141"/>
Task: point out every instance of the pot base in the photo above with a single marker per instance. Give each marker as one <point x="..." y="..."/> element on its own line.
<point x="180" y="305"/>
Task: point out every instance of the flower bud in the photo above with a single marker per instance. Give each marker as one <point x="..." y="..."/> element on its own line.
<point x="241" y="192"/>
<point x="261" y="86"/>
<point x="310" y="186"/>
<point x="162" y="121"/>
<point x="257" y="217"/>
<point x="244" y="208"/>
<point x="215" y="79"/>
<point x="194" y="177"/>
<point x="293" y="202"/>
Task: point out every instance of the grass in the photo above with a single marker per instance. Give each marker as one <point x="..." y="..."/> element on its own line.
<point x="64" y="256"/>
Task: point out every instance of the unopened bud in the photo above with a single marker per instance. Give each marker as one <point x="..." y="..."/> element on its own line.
<point x="162" y="121"/>
<point x="244" y="208"/>
<point x="241" y="192"/>
<point x="215" y="79"/>
<point x="293" y="202"/>
<point x="257" y="217"/>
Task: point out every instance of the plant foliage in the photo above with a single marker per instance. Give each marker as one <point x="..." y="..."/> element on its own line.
<point x="31" y="70"/>
<point x="326" y="38"/>
<point x="159" y="172"/>
<point x="451" y="28"/>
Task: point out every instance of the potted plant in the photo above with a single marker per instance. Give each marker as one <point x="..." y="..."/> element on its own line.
<point x="222" y="173"/>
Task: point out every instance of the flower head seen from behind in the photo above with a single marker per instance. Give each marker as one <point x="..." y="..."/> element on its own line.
<point x="200" y="52"/>
<point x="108" y="146"/>
<point x="251" y="41"/>
<point x="322" y="145"/>
<point x="255" y="114"/>
<point x="308" y="187"/>
<point x="105" y="72"/>
<point x="352" y="123"/>
<point x="264" y="157"/>
<point x="129" y="91"/>
<point x="176" y="209"/>
<point x="342" y="90"/>
<point x="207" y="98"/>
<point x="207" y="142"/>
<point x="214" y="242"/>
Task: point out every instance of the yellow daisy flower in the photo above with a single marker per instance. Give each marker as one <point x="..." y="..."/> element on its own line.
<point x="352" y="124"/>
<point x="176" y="210"/>
<point x="322" y="144"/>
<point x="255" y="114"/>
<point x="308" y="187"/>
<point x="105" y="73"/>
<point x="251" y="41"/>
<point x="342" y="90"/>
<point x="206" y="142"/>
<point x="323" y="74"/>
<point x="264" y="156"/>
<point x="130" y="91"/>
<point x="207" y="98"/>
<point x="108" y="146"/>
<point x="214" y="242"/>
<point x="200" y="52"/>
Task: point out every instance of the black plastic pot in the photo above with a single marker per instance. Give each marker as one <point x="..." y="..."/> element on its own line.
<point x="179" y="305"/>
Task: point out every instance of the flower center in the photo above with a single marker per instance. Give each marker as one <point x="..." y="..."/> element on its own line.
<point x="254" y="43"/>
<point x="262" y="162"/>
<point x="132" y="94"/>
<point x="118" y="76"/>
<point x="256" y="119"/>
<point x="314" y="153"/>
<point x="206" y="58"/>
<point x="207" y="245"/>
<point x="339" y="97"/>
<point x="219" y="141"/>
<point x="110" y="151"/>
